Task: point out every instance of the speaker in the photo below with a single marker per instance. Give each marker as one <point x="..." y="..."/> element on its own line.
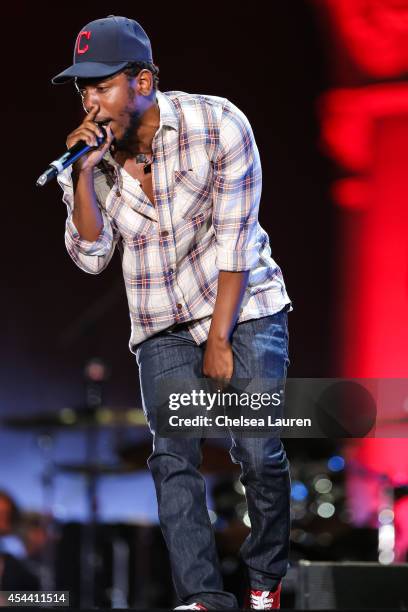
<point x="330" y="586"/>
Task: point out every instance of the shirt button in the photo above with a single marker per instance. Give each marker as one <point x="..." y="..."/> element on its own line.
<point x="179" y="306"/>
<point x="171" y="270"/>
<point x="164" y="233"/>
<point x="117" y="193"/>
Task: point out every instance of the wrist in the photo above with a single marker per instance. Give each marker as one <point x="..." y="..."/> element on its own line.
<point x="84" y="173"/>
<point x="81" y="169"/>
<point x="218" y="338"/>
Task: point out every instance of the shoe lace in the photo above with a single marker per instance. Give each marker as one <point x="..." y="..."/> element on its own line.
<point x="261" y="600"/>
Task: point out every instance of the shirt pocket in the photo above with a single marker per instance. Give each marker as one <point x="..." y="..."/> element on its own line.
<point x="192" y="191"/>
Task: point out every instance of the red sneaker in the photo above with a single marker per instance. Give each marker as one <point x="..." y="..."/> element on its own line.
<point x="264" y="600"/>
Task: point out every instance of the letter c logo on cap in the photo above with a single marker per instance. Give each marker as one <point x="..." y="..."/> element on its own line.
<point x="84" y="49"/>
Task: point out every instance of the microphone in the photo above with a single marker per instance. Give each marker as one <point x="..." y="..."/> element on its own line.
<point x="78" y="150"/>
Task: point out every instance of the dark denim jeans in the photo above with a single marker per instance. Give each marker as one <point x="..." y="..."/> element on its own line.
<point x="260" y="349"/>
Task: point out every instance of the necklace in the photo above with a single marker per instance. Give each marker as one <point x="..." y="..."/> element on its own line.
<point x="141" y="158"/>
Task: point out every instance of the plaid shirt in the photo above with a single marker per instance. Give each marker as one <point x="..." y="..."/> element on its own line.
<point x="207" y="186"/>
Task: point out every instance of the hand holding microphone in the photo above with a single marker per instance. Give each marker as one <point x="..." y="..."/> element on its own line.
<point x="86" y="147"/>
<point x="93" y="135"/>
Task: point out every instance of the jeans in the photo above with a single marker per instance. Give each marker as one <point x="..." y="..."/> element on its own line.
<point x="260" y="348"/>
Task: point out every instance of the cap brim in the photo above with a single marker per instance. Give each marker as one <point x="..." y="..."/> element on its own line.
<point x="87" y="70"/>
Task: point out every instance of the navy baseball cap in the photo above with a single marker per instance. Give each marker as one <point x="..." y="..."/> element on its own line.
<point x="106" y="46"/>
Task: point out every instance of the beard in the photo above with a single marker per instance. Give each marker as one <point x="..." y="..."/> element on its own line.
<point x="129" y="136"/>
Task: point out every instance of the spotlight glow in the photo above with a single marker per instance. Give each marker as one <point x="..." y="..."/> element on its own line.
<point x="336" y="463"/>
<point x="326" y="510"/>
<point x="299" y="491"/>
<point x="323" y="485"/>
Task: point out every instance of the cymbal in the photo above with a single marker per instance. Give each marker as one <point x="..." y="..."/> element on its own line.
<point x="82" y="416"/>
<point x="95" y="469"/>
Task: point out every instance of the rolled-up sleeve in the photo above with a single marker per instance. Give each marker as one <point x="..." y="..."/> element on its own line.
<point x="236" y="193"/>
<point x="92" y="257"/>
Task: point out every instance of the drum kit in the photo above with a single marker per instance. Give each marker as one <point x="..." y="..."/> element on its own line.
<point x="92" y="418"/>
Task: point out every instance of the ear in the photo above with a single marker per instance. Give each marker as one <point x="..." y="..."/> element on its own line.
<point x="145" y="82"/>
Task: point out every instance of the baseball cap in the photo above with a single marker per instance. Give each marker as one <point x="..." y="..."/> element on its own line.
<point x="106" y="46"/>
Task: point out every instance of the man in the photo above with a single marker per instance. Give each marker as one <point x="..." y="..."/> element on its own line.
<point x="176" y="187"/>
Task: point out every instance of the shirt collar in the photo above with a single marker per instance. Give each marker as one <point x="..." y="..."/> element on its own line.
<point x="168" y="115"/>
<point x="168" y="118"/>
